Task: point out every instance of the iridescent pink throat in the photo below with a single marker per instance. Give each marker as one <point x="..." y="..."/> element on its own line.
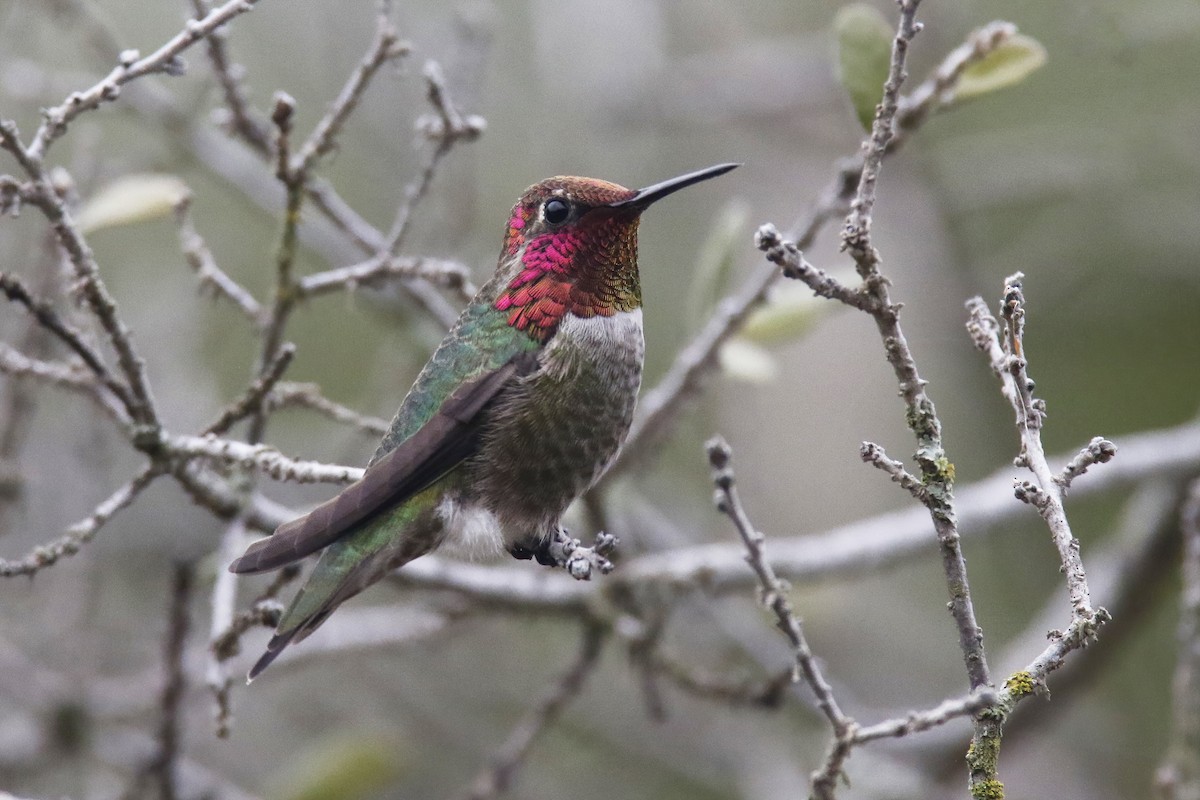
<point x="554" y="281"/>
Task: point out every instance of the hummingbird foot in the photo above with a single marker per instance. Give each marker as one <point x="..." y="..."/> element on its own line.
<point x="578" y="560"/>
<point x="561" y="550"/>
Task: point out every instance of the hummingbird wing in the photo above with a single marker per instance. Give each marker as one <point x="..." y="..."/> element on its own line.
<point x="448" y="437"/>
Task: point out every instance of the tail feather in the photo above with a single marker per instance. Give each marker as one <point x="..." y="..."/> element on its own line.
<point x="290" y="542"/>
<point x="274" y="648"/>
<point x="346" y="568"/>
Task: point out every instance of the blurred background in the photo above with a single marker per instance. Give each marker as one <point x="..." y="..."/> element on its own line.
<point x="1084" y="177"/>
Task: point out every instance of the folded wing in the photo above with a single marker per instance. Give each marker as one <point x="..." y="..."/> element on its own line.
<point x="450" y="436"/>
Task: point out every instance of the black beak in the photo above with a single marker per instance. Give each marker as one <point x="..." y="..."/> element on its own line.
<point x="658" y="191"/>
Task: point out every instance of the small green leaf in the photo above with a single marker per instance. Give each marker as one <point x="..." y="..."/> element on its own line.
<point x="746" y="361"/>
<point x="345" y="766"/>
<point x="726" y="238"/>
<point x="864" y="42"/>
<point x="787" y="315"/>
<point x="1011" y="62"/>
<point x="132" y="198"/>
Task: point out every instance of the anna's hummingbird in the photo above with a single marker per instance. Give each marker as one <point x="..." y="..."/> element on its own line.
<point x="521" y="408"/>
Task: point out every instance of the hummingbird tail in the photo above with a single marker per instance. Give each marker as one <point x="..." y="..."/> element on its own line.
<point x="346" y="568"/>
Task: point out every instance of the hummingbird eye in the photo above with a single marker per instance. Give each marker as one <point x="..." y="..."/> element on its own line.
<point x="556" y="210"/>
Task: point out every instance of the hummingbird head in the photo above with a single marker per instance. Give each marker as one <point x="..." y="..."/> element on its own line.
<point x="574" y="244"/>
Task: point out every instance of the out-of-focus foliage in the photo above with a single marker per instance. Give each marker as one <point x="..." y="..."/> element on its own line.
<point x="131" y="198"/>
<point x="864" y="47"/>
<point x="342" y="767"/>
<point x="1011" y="62"/>
<point x="1083" y="176"/>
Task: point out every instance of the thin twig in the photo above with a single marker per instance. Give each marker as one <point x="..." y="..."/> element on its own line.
<point x="1005" y="351"/>
<point x="164" y="764"/>
<point x="500" y="773"/>
<point x="260" y="457"/>
<point x="223" y="622"/>
<point x="284" y="294"/>
<point x="875" y="455"/>
<point x="856" y="235"/>
<point x="1006" y="354"/>
<point x="1179" y="776"/>
<point x="1098" y="451"/>
<point x="308" y="395"/>
<point x="661" y="406"/>
<point x="165" y="59"/>
<point x="321" y="141"/>
<point x="439" y="272"/>
<point x="241" y="120"/>
<point x="81" y="532"/>
<point x="936" y="92"/>
<point x="918" y="721"/>
<point x="67" y="376"/>
<point x="774" y="596"/>
<point x="49" y="200"/>
<point x="264" y="611"/>
<point x="217" y="676"/>
<point x="447" y="129"/>
<point x="48" y="318"/>
<point x="20" y="401"/>
<point x="211" y="276"/>
<point x="253" y="398"/>
<point x="767" y="693"/>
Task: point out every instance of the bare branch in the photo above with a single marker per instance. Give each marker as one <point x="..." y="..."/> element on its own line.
<point x="67" y="376"/>
<point x="918" y="721"/>
<point x="499" y="775"/>
<point x="47" y="198"/>
<point x="81" y="532"/>
<point x="858" y="548"/>
<point x="260" y="457"/>
<point x="49" y="319"/>
<point x="767" y="693"/>
<point x="446" y="130"/>
<point x="164" y="767"/>
<point x="439" y="272"/>
<point x="1179" y="776"/>
<point x="1006" y="354"/>
<point x="1098" y="451"/>
<point x="253" y="399"/>
<point x="937" y="472"/>
<point x="226" y="627"/>
<point x="936" y="92"/>
<point x="874" y="455"/>
<point x="224" y="599"/>
<point x="384" y="48"/>
<point x="241" y="120"/>
<point x="774" y="596"/>
<point x="793" y="264"/>
<point x="308" y="395"/>
<point x="165" y="59"/>
<point x="856" y="235"/>
<point x="211" y="276"/>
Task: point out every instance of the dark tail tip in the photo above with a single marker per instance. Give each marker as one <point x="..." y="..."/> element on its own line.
<point x="274" y="648"/>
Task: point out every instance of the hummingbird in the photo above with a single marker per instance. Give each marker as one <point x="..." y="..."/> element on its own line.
<point x="520" y="409"/>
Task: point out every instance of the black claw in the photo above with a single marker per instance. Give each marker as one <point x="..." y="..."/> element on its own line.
<point x="520" y="551"/>
<point x="543" y="556"/>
